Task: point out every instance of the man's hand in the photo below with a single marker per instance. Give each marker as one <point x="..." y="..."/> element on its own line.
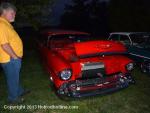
<point x="8" y="49"/>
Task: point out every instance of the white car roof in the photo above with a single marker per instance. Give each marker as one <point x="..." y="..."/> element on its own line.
<point x="126" y="33"/>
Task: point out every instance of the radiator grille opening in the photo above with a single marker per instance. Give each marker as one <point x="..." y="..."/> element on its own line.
<point x="93" y="70"/>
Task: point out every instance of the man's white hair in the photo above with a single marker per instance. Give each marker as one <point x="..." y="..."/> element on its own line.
<point x="6" y="6"/>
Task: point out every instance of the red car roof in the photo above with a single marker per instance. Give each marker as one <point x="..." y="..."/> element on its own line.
<point x="61" y="32"/>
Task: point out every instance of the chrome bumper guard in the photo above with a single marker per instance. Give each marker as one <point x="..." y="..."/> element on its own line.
<point x="95" y="86"/>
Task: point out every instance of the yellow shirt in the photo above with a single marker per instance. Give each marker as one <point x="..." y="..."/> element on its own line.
<point x="9" y="35"/>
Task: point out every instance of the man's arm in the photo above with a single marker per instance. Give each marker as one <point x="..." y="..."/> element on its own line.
<point x="8" y="49"/>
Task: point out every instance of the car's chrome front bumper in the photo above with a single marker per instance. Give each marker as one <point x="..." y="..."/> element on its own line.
<point x="95" y="86"/>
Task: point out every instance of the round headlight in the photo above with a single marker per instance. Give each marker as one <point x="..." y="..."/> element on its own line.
<point x="129" y="66"/>
<point x="65" y="74"/>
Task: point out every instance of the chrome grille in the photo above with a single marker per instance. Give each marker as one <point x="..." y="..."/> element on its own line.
<point x="92" y="70"/>
<point x="93" y="65"/>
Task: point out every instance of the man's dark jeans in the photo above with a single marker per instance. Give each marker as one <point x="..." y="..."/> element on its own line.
<point x="12" y="73"/>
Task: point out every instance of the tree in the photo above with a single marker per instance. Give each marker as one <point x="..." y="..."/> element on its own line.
<point x="98" y="16"/>
<point x="86" y="15"/>
<point x="33" y="12"/>
<point x="75" y="15"/>
<point x="129" y="15"/>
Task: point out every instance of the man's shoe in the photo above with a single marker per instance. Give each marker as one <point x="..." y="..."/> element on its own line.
<point x="16" y="102"/>
<point x="26" y="91"/>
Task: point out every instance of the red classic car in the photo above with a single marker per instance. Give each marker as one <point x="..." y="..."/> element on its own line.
<point x="80" y="66"/>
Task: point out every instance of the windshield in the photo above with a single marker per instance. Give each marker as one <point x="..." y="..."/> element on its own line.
<point x="141" y="39"/>
<point x="61" y="41"/>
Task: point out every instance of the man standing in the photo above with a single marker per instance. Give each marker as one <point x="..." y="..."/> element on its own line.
<point x="11" y="52"/>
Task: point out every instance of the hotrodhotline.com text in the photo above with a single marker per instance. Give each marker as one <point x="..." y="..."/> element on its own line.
<point x="43" y="107"/>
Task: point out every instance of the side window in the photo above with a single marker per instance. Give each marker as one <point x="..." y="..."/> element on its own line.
<point x="125" y="39"/>
<point x="114" y="37"/>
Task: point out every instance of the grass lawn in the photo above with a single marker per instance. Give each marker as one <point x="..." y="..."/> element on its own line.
<point x="134" y="99"/>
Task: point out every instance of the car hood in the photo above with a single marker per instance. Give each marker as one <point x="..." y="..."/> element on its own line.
<point x="91" y="48"/>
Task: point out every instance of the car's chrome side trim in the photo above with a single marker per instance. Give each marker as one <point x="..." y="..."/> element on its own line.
<point x="139" y="55"/>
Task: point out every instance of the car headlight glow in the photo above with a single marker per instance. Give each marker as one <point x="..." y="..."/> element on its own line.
<point x="129" y="66"/>
<point x="65" y="74"/>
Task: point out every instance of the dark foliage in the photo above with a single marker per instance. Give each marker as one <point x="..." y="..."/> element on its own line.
<point x="86" y="15"/>
<point x="129" y="15"/>
<point x="31" y="12"/>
